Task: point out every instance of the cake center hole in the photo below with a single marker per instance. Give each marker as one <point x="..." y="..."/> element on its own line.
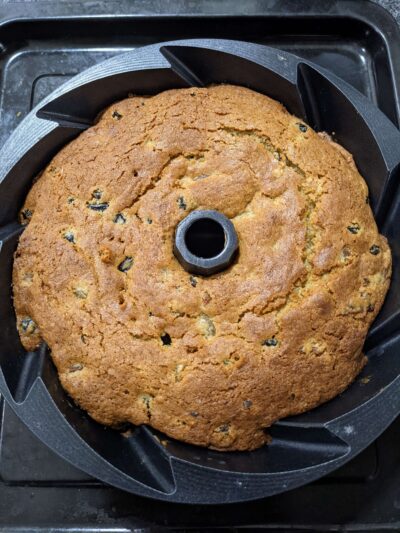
<point x="205" y="238"/>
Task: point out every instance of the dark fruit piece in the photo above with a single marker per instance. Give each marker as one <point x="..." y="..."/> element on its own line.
<point x="26" y="215"/>
<point x="69" y="236"/>
<point x="182" y="203"/>
<point x="126" y="264"/>
<point x="119" y="218"/>
<point x="98" y="207"/>
<point x="354" y="228"/>
<point x="374" y="250"/>
<point x="270" y="342"/>
<point x="166" y="339"/>
<point x="97" y="194"/>
<point x="28" y="325"/>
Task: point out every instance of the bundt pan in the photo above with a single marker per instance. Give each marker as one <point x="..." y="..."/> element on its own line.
<point x="304" y="447"/>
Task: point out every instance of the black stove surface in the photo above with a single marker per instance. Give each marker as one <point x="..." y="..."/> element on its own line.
<point x="354" y="39"/>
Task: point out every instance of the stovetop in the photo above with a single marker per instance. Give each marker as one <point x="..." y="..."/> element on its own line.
<point x="38" y="490"/>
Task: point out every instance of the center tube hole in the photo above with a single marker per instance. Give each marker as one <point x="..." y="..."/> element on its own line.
<point x="205" y="238"/>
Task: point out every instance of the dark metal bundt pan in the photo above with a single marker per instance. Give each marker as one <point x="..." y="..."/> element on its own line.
<point x="303" y="448"/>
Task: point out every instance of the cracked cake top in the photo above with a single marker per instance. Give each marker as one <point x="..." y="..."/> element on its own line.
<point x="211" y="361"/>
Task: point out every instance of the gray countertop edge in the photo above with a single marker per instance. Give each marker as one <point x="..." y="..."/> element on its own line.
<point x="393" y="6"/>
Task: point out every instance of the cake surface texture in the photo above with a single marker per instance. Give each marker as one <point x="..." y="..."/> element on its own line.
<point x="212" y="361"/>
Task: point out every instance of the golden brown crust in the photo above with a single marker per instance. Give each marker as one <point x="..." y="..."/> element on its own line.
<point x="274" y="335"/>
